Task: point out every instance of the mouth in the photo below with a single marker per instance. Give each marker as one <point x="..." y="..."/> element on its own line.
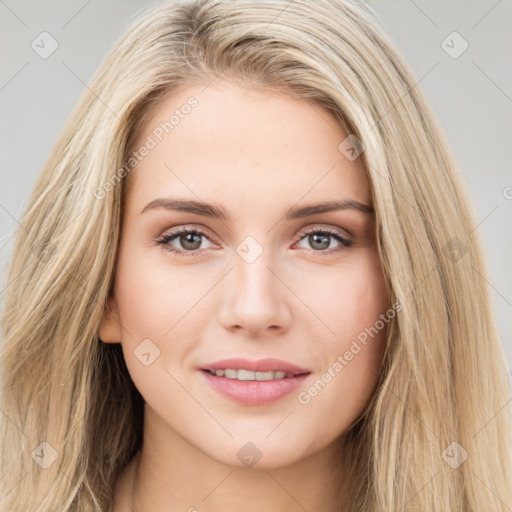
<point x="242" y="368"/>
<point x="250" y="388"/>
<point x="248" y="375"/>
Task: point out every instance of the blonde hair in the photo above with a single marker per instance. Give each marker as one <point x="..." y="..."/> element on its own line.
<point x="444" y="378"/>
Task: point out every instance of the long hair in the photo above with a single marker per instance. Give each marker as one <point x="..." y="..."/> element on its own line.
<point x="436" y="434"/>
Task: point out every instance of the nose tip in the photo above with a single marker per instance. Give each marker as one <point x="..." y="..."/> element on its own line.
<point x="254" y="302"/>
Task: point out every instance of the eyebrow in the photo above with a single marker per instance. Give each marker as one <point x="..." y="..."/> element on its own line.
<point x="218" y="212"/>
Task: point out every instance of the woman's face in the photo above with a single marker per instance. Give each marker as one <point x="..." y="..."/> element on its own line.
<point x="271" y="278"/>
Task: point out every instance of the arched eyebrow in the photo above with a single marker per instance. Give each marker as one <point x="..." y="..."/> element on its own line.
<point x="218" y="212"/>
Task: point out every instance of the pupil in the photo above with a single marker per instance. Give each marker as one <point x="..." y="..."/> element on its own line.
<point x="188" y="238"/>
<point x="314" y="239"/>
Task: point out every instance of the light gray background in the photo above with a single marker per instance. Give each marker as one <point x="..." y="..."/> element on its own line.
<point x="471" y="94"/>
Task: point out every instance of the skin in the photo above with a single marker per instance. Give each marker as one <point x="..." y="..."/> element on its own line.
<point x="256" y="154"/>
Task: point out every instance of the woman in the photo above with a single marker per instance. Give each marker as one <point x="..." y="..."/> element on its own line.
<point x="248" y="279"/>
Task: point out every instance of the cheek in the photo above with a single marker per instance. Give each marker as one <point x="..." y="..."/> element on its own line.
<point x="162" y="318"/>
<point x="155" y="298"/>
<point x="360" y="300"/>
<point x="361" y="332"/>
<point x="347" y="299"/>
<point x="352" y="305"/>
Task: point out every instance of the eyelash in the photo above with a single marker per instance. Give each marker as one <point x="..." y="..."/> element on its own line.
<point x="167" y="237"/>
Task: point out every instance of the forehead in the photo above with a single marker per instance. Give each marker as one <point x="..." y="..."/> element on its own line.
<point x="245" y="146"/>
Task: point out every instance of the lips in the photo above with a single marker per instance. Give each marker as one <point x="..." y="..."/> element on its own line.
<point x="253" y="392"/>
<point x="269" y="364"/>
<point x="258" y="383"/>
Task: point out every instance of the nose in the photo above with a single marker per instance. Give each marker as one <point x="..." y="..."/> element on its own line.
<point x="255" y="299"/>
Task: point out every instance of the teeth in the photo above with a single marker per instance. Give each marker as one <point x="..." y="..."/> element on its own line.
<point x="248" y="375"/>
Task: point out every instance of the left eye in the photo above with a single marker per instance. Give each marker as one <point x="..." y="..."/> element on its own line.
<point x="319" y="239"/>
<point x="191" y="241"/>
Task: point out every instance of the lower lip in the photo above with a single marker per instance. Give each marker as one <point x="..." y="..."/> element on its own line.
<point x="254" y="392"/>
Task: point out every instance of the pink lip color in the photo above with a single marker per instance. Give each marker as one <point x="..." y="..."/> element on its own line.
<point x="255" y="392"/>
<point x="269" y="364"/>
<point x="252" y="392"/>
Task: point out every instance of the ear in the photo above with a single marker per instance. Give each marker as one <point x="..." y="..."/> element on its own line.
<point x="109" y="330"/>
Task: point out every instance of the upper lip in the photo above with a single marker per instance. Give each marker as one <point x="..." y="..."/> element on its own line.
<point x="268" y="364"/>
